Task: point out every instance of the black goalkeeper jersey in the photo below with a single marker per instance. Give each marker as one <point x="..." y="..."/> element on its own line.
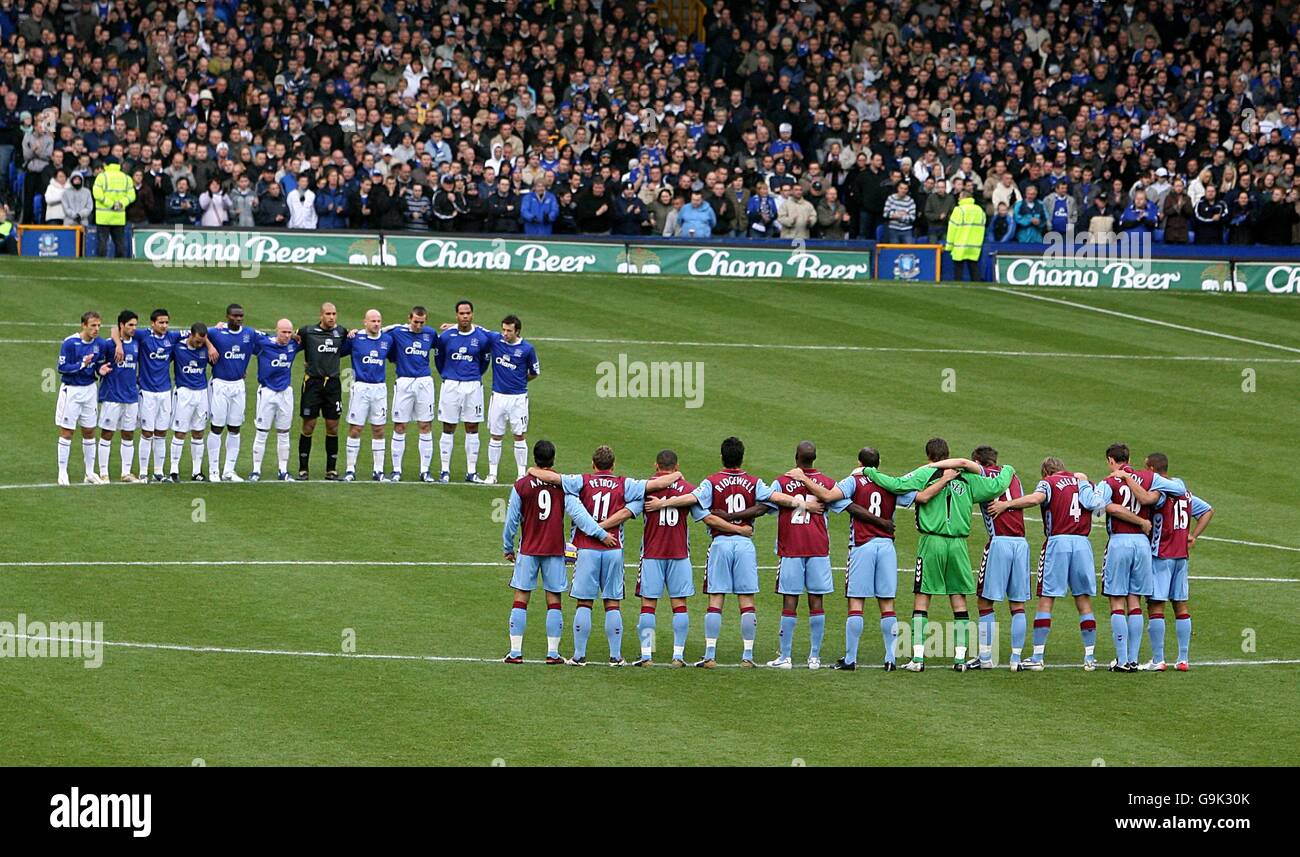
<point x="322" y="349"/>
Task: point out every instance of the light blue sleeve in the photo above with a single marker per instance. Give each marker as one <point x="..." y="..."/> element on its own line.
<point x="1165" y="485"/>
<point x="637" y="508"/>
<point x="698" y="512"/>
<point x="763" y="491"/>
<point x="1200" y="507"/>
<point x="513" y="513"/>
<point x="1088" y="497"/>
<point x="572" y="483"/>
<point x="633" y="490"/>
<point x="906" y="500"/>
<point x="848" y="486"/>
<point x="839" y="505"/>
<point x="1104" y="493"/>
<point x="581" y="518"/>
<point x="704" y="495"/>
<point x="1044" y="488"/>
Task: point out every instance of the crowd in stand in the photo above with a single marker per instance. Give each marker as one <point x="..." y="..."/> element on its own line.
<point x="792" y="118"/>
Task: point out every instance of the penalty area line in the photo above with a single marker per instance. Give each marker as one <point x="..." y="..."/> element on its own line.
<point x="367" y="656"/>
<point x="338" y="277"/>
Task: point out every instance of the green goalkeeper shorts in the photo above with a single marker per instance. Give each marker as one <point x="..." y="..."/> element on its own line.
<point x="943" y="566"/>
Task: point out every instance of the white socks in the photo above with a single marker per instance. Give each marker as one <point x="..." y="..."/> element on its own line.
<point x="521" y="457"/>
<point x="494" y="457"/>
<point x="353" y="449"/>
<point x="146" y="450"/>
<point x="88" y="454"/>
<point x="398" y="450"/>
<point x="471" y="453"/>
<point x="65" y="451"/>
<point x="259" y="450"/>
<point x="214" y="452"/>
<point x="196" y="455"/>
<point x="232" y="451"/>
<point x="426" y="450"/>
<point x="377" y="453"/>
<point x="178" y="449"/>
<point x="105" y="450"/>
<point x="128" y="455"/>
<point x="159" y="453"/>
<point x="445" y="443"/>
<point x="282" y="450"/>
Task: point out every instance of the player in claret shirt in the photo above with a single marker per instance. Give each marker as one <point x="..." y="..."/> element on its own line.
<point x="83" y="357"/>
<point x="1066" y="562"/>
<point x="539" y="507"/>
<point x="274" y="409"/>
<point x="666" y="561"/>
<point x="368" y="400"/>
<point x="873" y="561"/>
<point x="119" y="397"/>
<point x="1128" y="497"/>
<point x="1004" y="570"/>
<point x="1171" y="543"/>
<point x="598" y="571"/>
<point x="731" y="565"/>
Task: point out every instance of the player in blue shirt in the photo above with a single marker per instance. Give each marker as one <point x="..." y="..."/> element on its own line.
<point x="463" y="353"/>
<point x="83" y="357"/>
<point x="368" y="400"/>
<point x="274" y="409"/>
<point x="156" y="346"/>
<point x="414" y="344"/>
<point x="119" y="397"/>
<point x="514" y="364"/>
<point x="234" y="344"/>
<point x="190" y="358"/>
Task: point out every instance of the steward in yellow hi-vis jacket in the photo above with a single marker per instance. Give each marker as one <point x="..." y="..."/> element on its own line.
<point x="966" y="237"/>
<point x="113" y="192"/>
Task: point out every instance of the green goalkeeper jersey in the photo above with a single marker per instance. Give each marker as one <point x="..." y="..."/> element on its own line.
<point x="948" y="513"/>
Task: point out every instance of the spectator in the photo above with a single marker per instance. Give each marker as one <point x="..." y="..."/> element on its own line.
<point x="761" y="213"/>
<point x="899" y="215"/>
<point x="539" y="210"/>
<point x="137" y="213"/>
<point x="243" y="203"/>
<point x="797" y="216"/>
<point x="38" y="149"/>
<point x="1211" y="217"/>
<point x="1002" y="228"/>
<point x="54" y="197"/>
<point x="1176" y="214"/>
<point x="417" y="209"/>
<point x="1141" y="215"/>
<point x="360" y="213"/>
<point x="696" y="219"/>
<point x="939" y="205"/>
<point x="215" y="205"/>
<point x="445" y="208"/>
<point x="182" y="207"/>
<point x="594" y="215"/>
<point x="1030" y="217"/>
<point x="566" y="218"/>
<point x="1277" y="216"/>
<point x="475" y="216"/>
<point x="387" y="211"/>
<point x="833" y="220"/>
<point x="1241" y="219"/>
<point x="302" y="205"/>
<point x="332" y="203"/>
<point x="78" y="203"/>
<point x="724" y="207"/>
<point x="630" y="214"/>
<point x="503" y="208"/>
<point x="272" y="207"/>
<point x="1062" y="213"/>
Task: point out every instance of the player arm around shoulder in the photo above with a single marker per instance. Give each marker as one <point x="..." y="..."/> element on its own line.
<point x="1116" y="510"/>
<point x="932" y="490"/>
<point x="583" y="520"/>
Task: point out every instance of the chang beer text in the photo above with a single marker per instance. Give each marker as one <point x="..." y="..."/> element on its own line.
<point x="1274" y="278"/>
<point x="761" y="263"/>
<point x="179" y="248"/>
<point x="1153" y="275"/>
<point x="476" y="254"/>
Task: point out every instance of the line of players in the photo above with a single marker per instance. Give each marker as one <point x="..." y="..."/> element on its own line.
<point x="1148" y="518"/>
<point x="156" y="379"/>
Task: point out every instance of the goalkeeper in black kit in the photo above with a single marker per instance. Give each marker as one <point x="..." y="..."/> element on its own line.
<point x="323" y="344"/>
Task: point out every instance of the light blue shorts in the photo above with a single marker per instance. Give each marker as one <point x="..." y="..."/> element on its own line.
<point x="799" y="574"/>
<point x="1004" y="571"/>
<point x="731" y="567"/>
<point x="598" y="574"/>
<point x="873" y="570"/>
<point x="1066" y="567"/>
<point x="1169" y="579"/>
<point x="550" y="569"/>
<point x="1126" y="565"/>
<point x="656" y="575"/>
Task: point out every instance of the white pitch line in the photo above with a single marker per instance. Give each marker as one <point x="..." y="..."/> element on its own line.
<point x="1249" y="544"/>
<point x="363" y="656"/>
<point x="194" y="563"/>
<point x="337" y="277"/>
<point x="1155" y="321"/>
<point x="188" y="282"/>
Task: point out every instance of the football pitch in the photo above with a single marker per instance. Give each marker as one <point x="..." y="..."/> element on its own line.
<point x="355" y="624"/>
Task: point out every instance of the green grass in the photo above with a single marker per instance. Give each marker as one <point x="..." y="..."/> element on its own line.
<point x="168" y="707"/>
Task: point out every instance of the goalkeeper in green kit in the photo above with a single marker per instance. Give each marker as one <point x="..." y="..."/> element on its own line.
<point x="942" y="561"/>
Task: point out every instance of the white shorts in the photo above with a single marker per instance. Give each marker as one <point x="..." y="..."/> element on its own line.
<point x="119" y="415"/>
<point x="155" y="411"/>
<point x="189" y="410"/>
<point x="462" y="401"/>
<point x="368" y="403"/>
<point x="227" y="402"/>
<point x="274" y="409"/>
<point x="76" y="406"/>
<point x="413" y="399"/>
<point x="509" y="408"/>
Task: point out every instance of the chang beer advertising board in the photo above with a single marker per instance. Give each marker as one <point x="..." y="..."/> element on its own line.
<point x="221" y="248"/>
<point x="1186" y="275"/>
<point x="746" y="263"/>
<point x="1272" y="278"/>
<point x="501" y="254"/>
